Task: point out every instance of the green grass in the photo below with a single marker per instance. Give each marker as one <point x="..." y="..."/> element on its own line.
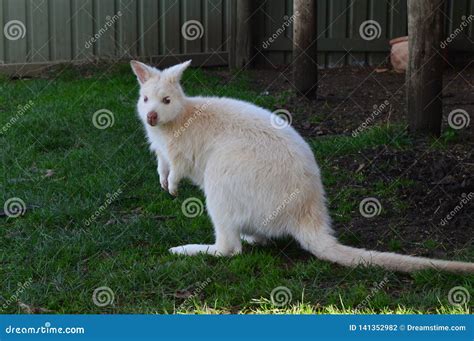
<point x="55" y="159"/>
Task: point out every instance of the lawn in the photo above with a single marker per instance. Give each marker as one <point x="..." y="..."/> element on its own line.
<point x="96" y="216"/>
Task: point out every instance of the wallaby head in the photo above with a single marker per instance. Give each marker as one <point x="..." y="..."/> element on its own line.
<point x="161" y="96"/>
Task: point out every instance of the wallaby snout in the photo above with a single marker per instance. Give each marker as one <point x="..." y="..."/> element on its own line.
<point x="152" y="118"/>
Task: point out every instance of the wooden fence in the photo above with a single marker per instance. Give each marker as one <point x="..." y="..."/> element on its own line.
<point x="338" y="27"/>
<point x="39" y="32"/>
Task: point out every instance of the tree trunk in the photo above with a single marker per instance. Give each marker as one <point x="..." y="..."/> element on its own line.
<point x="305" y="66"/>
<point x="425" y="67"/>
<point x="243" y="41"/>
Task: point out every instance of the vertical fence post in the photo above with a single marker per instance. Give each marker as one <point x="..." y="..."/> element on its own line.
<point x="305" y="66"/>
<point x="243" y="35"/>
<point x="425" y="67"/>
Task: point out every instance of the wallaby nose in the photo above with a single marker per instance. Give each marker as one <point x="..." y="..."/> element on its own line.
<point x="152" y="118"/>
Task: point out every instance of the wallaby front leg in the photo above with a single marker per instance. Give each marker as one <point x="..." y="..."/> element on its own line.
<point x="175" y="176"/>
<point x="163" y="171"/>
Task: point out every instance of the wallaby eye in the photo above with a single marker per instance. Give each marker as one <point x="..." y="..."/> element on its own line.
<point x="166" y="100"/>
<point x="145" y="99"/>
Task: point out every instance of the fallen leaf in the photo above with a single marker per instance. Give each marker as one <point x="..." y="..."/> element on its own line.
<point x="49" y="173"/>
<point x="111" y="222"/>
<point x="29" y="309"/>
<point x="183" y="294"/>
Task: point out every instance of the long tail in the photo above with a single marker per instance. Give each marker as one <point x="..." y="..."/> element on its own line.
<point x="327" y="247"/>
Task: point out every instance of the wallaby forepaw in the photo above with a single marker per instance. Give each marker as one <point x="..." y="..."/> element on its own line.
<point x="164" y="185"/>
<point x="173" y="190"/>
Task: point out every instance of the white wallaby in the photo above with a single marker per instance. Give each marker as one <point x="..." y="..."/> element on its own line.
<point x="261" y="180"/>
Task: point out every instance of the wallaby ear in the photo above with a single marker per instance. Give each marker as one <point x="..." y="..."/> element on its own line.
<point x="143" y="71"/>
<point x="175" y="72"/>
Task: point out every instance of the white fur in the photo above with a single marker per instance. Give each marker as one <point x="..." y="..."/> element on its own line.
<point x="260" y="182"/>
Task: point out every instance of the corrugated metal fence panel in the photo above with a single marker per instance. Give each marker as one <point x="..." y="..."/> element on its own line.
<point x="338" y="24"/>
<point x="65" y="30"/>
